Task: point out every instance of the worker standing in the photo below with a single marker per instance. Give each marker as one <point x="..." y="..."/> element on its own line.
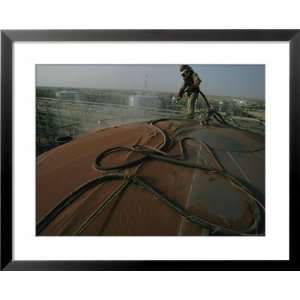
<point x="191" y="83"/>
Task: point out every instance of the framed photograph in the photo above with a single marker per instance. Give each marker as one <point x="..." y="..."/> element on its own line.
<point x="149" y="149"/>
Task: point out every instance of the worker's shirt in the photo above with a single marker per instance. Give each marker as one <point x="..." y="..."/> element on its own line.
<point x="190" y="85"/>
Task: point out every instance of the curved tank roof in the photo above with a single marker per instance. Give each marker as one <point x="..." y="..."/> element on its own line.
<point x="166" y="177"/>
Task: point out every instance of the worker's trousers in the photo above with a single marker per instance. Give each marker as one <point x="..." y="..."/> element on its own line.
<point x="191" y="103"/>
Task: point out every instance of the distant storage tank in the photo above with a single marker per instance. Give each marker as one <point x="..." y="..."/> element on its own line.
<point x="68" y="94"/>
<point x="161" y="178"/>
<point x="144" y="100"/>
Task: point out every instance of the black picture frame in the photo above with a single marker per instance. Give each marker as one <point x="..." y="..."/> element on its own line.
<point x="8" y="37"/>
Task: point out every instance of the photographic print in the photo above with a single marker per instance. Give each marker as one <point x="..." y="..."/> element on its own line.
<point x="150" y="150"/>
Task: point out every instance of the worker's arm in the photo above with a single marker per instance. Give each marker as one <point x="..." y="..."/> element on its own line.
<point x="182" y="90"/>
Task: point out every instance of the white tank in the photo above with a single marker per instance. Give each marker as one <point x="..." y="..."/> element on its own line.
<point x="144" y="100"/>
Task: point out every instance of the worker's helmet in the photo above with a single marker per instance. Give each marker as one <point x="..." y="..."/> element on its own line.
<point x="184" y="67"/>
<point x="185" y="70"/>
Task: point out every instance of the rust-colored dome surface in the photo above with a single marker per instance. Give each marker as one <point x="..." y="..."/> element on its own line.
<point x="166" y="177"/>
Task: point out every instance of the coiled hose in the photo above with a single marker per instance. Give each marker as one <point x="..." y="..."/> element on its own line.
<point x="152" y="154"/>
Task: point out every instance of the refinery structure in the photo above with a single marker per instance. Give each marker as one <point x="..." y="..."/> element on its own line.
<point x="64" y="114"/>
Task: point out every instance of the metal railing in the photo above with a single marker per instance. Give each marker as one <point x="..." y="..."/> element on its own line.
<point x="56" y="117"/>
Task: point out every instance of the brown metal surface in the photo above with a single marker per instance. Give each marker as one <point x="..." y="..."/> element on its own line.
<point x="137" y="212"/>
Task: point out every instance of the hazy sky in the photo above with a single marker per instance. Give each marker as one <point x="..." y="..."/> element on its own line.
<point x="223" y="80"/>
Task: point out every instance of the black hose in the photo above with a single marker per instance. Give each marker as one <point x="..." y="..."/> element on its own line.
<point x="68" y="200"/>
<point x="157" y="154"/>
